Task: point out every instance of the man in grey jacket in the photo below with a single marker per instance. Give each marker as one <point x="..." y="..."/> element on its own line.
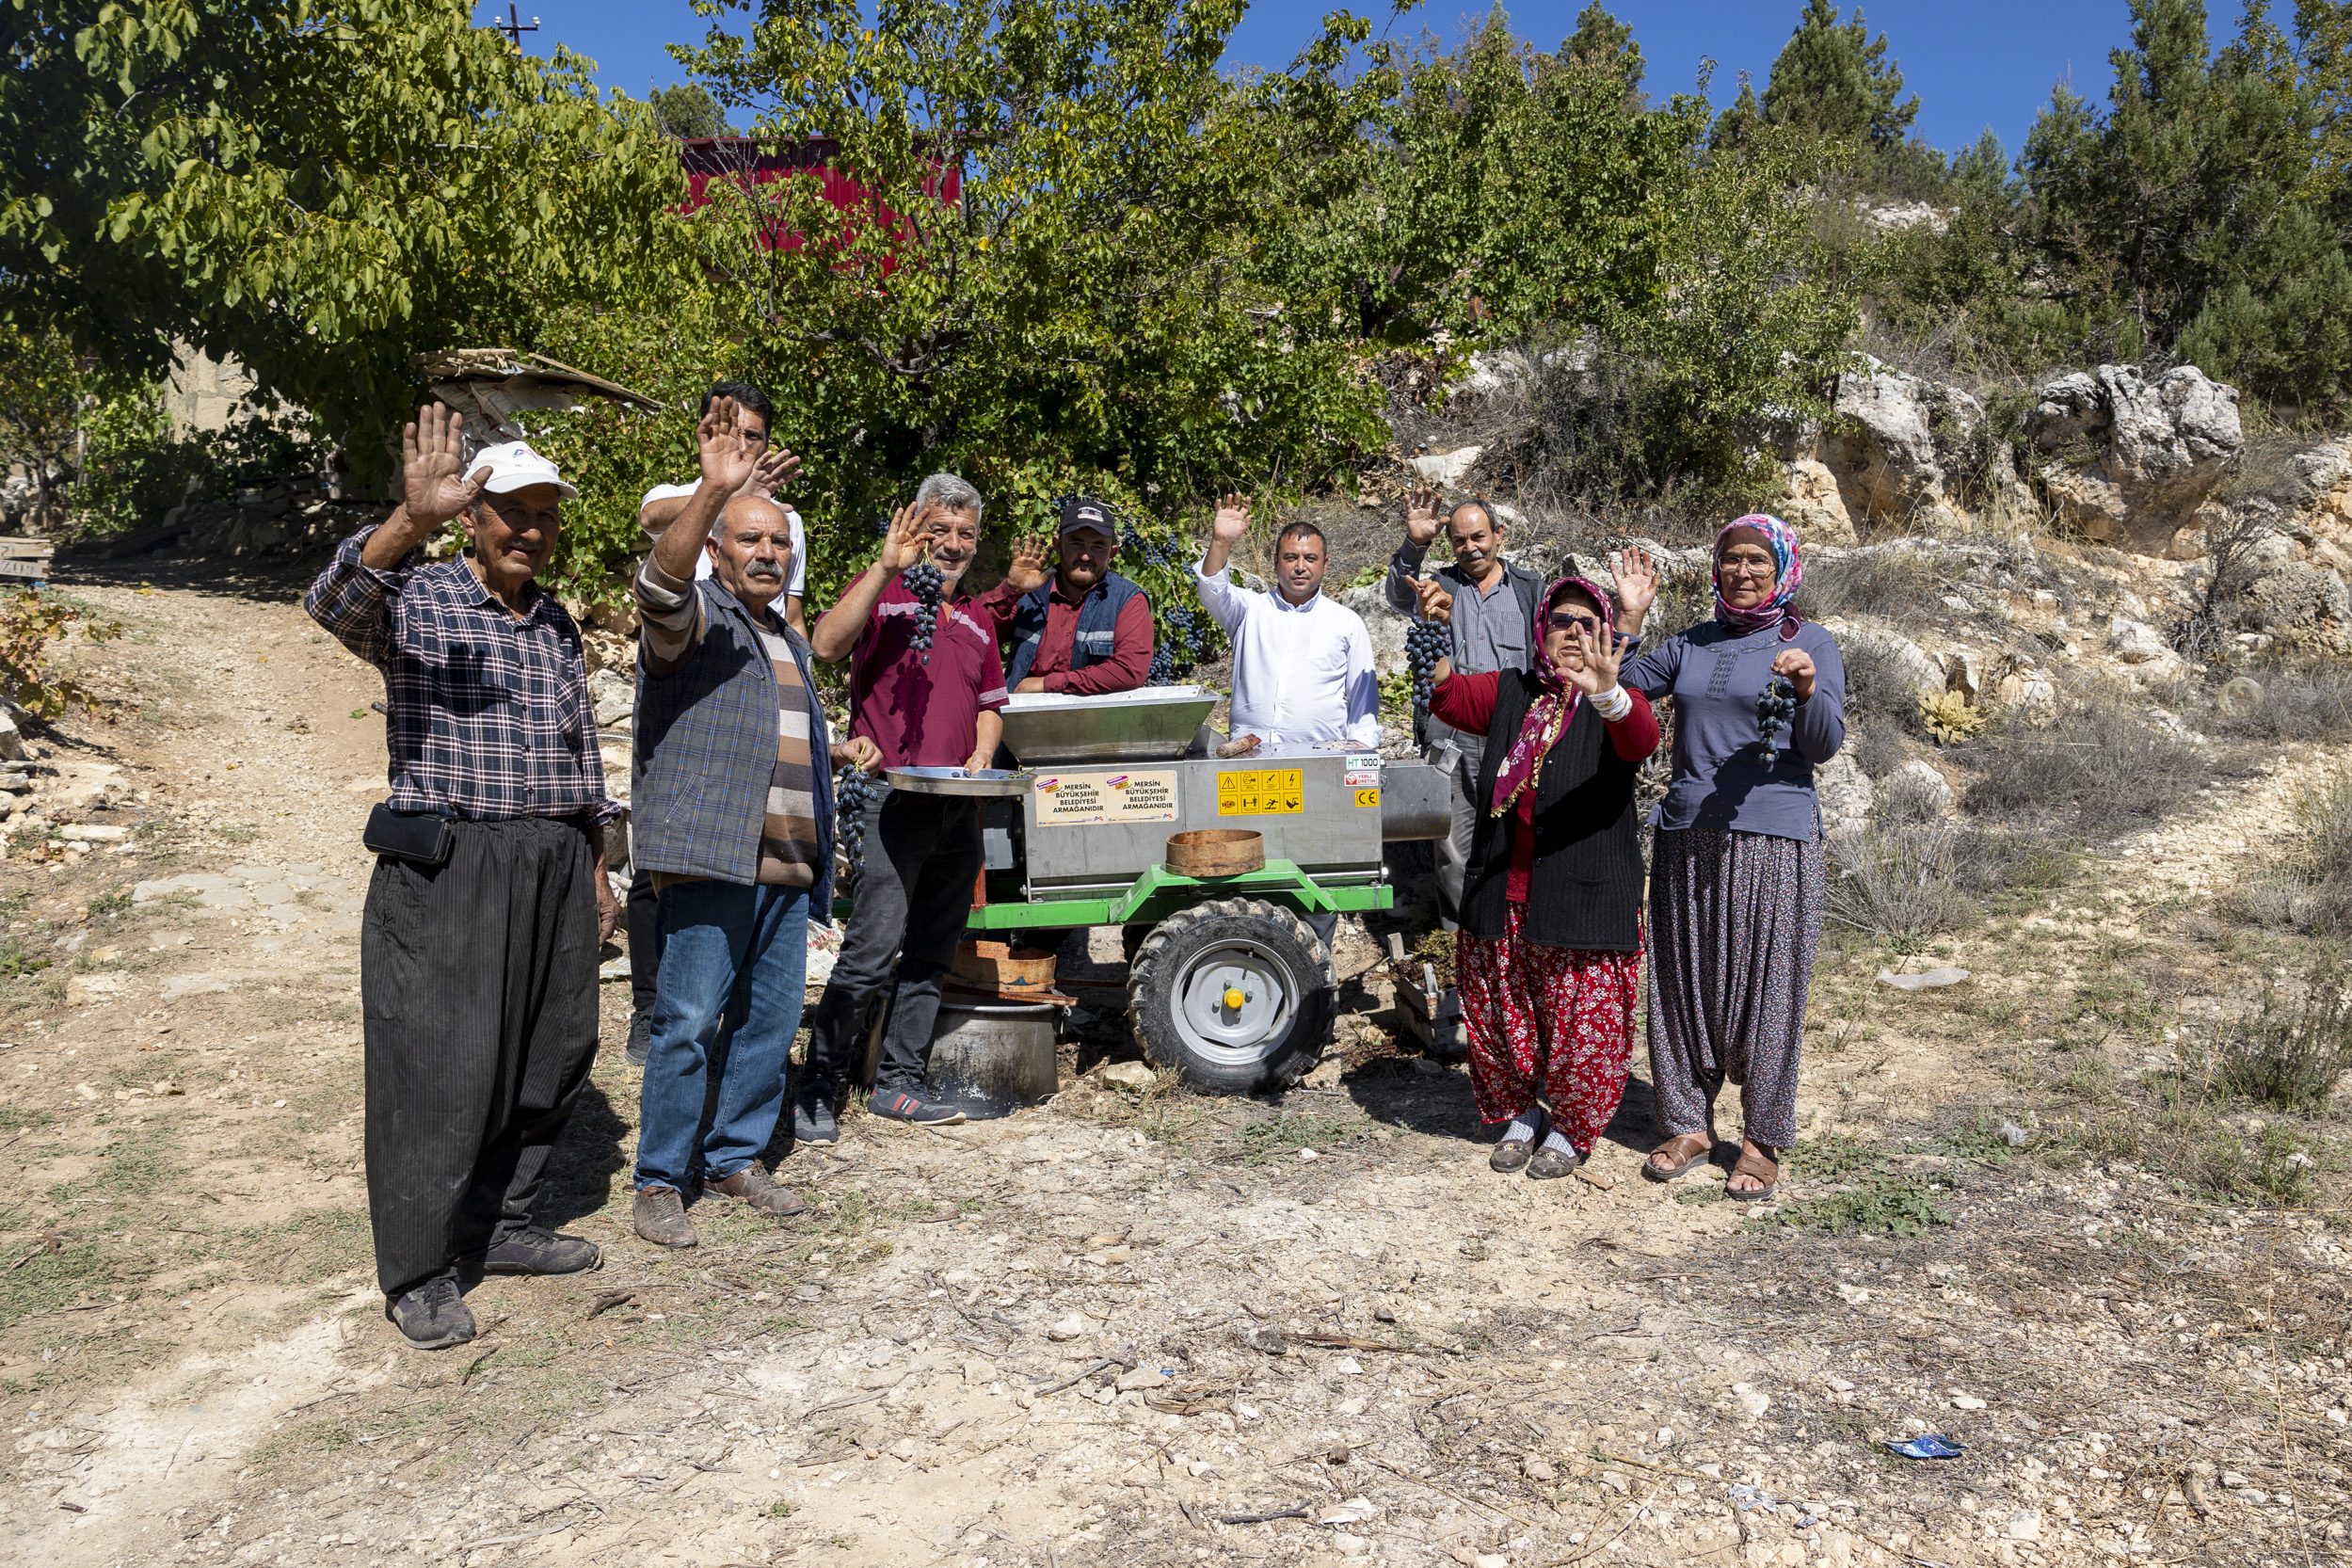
<point x="735" y="824"/>
<point x="1493" y="629"/>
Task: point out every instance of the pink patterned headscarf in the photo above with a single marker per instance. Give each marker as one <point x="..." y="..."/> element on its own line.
<point x="1548" y="719"/>
<point x="1782" y="540"/>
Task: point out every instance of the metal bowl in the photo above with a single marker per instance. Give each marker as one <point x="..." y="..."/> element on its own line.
<point x="959" y="781"/>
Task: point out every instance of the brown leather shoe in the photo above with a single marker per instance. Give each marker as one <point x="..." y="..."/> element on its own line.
<point x="660" y="1218"/>
<point x="756" y="1186"/>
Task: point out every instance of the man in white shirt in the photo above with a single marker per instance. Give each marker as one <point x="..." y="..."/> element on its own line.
<point x="1302" y="663"/>
<point x="776" y="466"/>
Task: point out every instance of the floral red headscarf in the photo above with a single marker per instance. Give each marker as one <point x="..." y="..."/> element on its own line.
<point x="1548" y="720"/>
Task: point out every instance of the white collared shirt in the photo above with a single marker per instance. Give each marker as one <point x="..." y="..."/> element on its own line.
<point x="702" y="557"/>
<point x="1302" y="673"/>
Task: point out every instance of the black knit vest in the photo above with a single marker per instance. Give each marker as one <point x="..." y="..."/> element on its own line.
<point x="1585" y="888"/>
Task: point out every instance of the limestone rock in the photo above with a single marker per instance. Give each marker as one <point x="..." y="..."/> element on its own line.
<point x="2301" y="596"/>
<point x="2136" y="642"/>
<point x="1445" y="470"/>
<point x="1898" y="448"/>
<point x="1385" y="625"/>
<point x="1124" y="1075"/>
<point x="1814" y="506"/>
<point x="1845" y="793"/>
<point x="2157" y="449"/>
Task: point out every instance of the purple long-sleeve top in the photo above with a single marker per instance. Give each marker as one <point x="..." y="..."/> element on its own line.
<point x="1714" y="676"/>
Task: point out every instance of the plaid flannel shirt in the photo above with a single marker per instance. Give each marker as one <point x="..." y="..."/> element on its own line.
<point x="490" y="718"/>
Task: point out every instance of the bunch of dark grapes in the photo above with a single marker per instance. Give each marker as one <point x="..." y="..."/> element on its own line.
<point x="1425" y="643"/>
<point x="924" y="581"/>
<point x="1776" y="712"/>
<point x="854" y="790"/>
<point x="1166" y="670"/>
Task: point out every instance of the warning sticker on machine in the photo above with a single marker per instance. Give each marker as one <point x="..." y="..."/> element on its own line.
<point x="1263" y="792"/>
<point x="1082" y="799"/>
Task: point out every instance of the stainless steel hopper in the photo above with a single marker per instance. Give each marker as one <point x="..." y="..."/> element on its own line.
<point x="1151" y="724"/>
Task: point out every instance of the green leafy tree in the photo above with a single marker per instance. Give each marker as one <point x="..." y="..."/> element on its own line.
<point x="1676" y="395"/>
<point x="688" y="111"/>
<point x="319" y="188"/>
<point x="43" y="390"/>
<point x="1497" y="191"/>
<point x="1083" y="312"/>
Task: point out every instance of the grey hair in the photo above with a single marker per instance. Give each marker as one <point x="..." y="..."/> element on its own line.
<point x="952" y="491"/>
<point x="1492" y="523"/>
<point x="718" y="525"/>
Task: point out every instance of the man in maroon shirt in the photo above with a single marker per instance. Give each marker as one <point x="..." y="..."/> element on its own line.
<point x="1087" y="630"/>
<point x="922" y="854"/>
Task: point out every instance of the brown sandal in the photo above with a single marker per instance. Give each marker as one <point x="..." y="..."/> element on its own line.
<point x="1684" y="1149"/>
<point x="1760" y="1165"/>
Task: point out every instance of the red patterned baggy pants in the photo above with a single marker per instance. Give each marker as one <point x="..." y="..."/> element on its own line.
<point x="1551" y="1022"/>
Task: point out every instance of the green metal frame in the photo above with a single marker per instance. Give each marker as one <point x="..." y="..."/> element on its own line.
<point x="1160" y="892"/>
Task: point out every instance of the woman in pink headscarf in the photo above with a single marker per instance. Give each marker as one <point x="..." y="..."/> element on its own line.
<point x="1736" y="872"/>
<point x="1548" y="959"/>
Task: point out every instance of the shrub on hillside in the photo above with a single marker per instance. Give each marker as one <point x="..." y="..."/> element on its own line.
<point x="2102" y="770"/>
<point x="2308" y="704"/>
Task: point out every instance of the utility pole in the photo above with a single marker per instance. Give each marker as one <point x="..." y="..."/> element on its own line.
<point x="514" y="27"/>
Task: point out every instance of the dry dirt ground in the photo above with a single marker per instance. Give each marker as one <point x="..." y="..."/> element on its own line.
<point x="1121" y="1330"/>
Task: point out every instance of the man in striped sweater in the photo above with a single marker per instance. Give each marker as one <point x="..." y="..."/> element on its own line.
<point x="734" y="807"/>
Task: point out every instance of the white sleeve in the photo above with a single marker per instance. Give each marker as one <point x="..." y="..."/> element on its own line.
<point x="800" y="557"/>
<point x="666" y="492"/>
<point x="1363" y="689"/>
<point x="1226" y="604"/>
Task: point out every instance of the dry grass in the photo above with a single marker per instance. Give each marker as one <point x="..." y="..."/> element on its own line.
<point x="2308" y="887"/>
<point x="2102" y="770"/>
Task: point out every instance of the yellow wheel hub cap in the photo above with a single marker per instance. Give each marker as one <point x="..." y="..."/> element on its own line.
<point x="1234" y="999"/>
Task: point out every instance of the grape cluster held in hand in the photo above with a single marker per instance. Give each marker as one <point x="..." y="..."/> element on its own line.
<point x="924" y="581"/>
<point x="1776" y="712"/>
<point x="1425" y="643"/>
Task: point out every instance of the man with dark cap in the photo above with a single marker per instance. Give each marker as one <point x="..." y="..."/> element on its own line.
<point x="1084" y="630"/>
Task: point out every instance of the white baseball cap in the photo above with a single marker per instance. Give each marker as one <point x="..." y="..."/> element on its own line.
<point x="514" y="467"/>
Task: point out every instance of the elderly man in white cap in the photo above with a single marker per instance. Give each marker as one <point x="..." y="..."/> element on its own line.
<point x="478" y="948"/>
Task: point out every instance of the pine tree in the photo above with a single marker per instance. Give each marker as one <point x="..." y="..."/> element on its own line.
<point x="1600" y="42"/>
<point x="1833" y="78"/>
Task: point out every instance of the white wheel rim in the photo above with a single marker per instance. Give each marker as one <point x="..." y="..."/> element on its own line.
<point x="1234" y="1036"/>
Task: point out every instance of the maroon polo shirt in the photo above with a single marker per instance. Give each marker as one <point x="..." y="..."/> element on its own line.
<point x="924" y="715"/>
<point x="1130" y="646"/>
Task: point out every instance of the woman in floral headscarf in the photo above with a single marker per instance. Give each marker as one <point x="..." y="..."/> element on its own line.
<point x="1548" y="959"/>
<point x="1736" y="870"/>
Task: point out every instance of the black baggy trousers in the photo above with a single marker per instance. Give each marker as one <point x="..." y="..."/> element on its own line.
<point x="907" y="914"/>
<point x="478" y="977"/>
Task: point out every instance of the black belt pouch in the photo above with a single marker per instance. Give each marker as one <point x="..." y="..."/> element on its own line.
<point x="418" y="837"/>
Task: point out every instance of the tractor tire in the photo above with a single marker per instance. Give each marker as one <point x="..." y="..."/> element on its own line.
<point x="1196" y="960"/>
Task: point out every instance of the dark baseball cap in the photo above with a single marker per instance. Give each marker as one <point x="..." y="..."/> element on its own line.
<point x="1082" y="512"/>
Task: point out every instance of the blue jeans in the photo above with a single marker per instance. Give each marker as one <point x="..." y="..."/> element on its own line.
<point x="730" y="955"/>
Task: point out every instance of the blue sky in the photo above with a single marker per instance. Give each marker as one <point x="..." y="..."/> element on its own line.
<point x="1989" y="62"/>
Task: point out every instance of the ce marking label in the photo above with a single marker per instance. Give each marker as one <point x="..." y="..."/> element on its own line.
<point x="1368" y="797"/>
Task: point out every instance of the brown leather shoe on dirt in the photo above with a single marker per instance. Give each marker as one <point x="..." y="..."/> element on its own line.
<point x="660" y="1218"/>
<point x="756" y="1186"/>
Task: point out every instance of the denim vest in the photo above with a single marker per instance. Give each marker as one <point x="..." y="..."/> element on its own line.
<point x="1098" y="625"/>
<point x="705" y="739"/>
